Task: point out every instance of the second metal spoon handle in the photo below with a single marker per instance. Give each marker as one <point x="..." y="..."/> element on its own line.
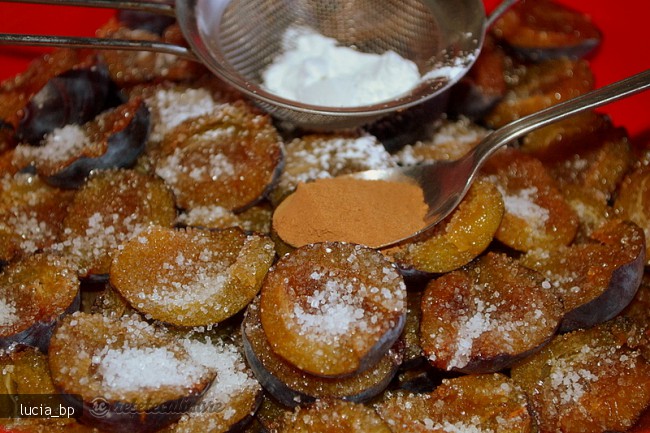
<point x="596" y="98"/>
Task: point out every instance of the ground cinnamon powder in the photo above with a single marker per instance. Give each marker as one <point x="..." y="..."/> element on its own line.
<point x="368" y="212"/>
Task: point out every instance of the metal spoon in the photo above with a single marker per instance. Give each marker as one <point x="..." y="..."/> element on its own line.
<point x="445" y="183"/>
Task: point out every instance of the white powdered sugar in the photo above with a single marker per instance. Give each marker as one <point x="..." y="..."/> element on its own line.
<point x="315" y="70"/>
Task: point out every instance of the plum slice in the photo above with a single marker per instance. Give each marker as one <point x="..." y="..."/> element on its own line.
<point x="16" y="92"/>
<point x="191" y="277"/>
<point x="31" y="214"/>
<point x="334" y="416"/>
<point x="230" y="158"/>
<point x="595" y="279"/>
<point x="318" y="156"/>
<point x="25" y="374"/>
<point x="292" y="386"/>
<point x="333" y="309"/>
<point x="484" y="85"/>
<point x="486" y="316"/>
<point x="72" y="97"/>
<point x="481" y="402"/>
<point x="129" y="68"/>
<point x="34" y="292"/>
<point x="458" y="239"/>
<point x="545" y="29"/>
<point x="131" y="376"/>
<point x="539" y="86"/>
<point x="536" y="212"/>
<point x="113" y="139"/>
<point x="233" y="396"/>
<point x="112" y="207"/>
<point x="633" y="199"/>
<point x="587" y="380"/>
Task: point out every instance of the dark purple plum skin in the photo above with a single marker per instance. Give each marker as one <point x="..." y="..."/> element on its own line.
<point x="578" y="51"/>
<point x="39" y="334"/>
<point x="73" y="97"/>
<point x="124" y="418"/>
<point x="149" y="22"/>
<point x="124" y="148"/>
<point x="290" y="397"/>
<point x="620" y="291"/>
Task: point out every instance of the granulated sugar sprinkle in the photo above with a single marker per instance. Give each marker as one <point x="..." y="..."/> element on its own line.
<point x="8" y="313"/>
<point x="132" y="369"/>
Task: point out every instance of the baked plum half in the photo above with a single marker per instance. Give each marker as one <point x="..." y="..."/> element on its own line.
<point x="291" y="386"/>
<point x="34" y="293"/>
<point x="587" y="380"/>
<point x="539" y="86"/>
<point x="545" y="29"/>
<point x="481" y="402"/>
<point x="230" y="158"/>
<point x="333" y="309"/>
<point x="459" y="238"/>
<point x="191" y="277"/>
<point x="536" y="212"/>
<point x="109" y="209"/>
<point x="131" y="376"/>
<point x="73" y="97"/>
<point x="595" y="279"/>
<point x="486" y="316"/>
<point x="484" y="85"/>
<point x="67" y="155"/>
<point x="633" y="199"/>
<point x="234" y="395"/>
<point x="334" y="416"/>
<point x="31" y="214"/>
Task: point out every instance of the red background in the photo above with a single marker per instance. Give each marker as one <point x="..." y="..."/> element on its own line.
<point x="624" y="50"/>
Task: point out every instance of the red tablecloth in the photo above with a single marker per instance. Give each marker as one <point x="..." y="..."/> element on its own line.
<point x="624" y="50"/>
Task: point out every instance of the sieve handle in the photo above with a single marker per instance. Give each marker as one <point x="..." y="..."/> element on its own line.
<point x="163" y="7"/>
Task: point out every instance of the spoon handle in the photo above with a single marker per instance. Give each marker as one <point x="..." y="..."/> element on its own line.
<point x="596" y="98"/>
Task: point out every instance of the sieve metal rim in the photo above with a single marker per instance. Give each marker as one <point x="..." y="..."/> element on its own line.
<point x="186" y="13"/>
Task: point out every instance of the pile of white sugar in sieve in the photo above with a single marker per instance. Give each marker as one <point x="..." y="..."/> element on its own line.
<point x="314" y="70"/>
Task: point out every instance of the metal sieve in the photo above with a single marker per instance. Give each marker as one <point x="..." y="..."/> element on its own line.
<point x="238" y="39"/>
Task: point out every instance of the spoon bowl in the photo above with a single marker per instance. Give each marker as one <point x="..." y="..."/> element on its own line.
<point x="444" y="183"/>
